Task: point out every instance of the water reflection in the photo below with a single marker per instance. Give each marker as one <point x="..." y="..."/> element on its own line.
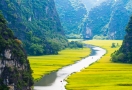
<point x="55" y="80"/>
<point x="47" y="80"/>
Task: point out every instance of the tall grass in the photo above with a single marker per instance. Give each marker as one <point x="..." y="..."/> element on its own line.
<point x="42" y="65"/>
<point x="104" y="74"/>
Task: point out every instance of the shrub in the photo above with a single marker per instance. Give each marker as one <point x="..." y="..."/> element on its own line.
<point x="75" y="44"/>
<point x="18" y="41"/>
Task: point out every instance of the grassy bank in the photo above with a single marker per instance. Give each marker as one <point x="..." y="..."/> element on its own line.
<point x="42" y="65"/>
<point x="103" y="75"/>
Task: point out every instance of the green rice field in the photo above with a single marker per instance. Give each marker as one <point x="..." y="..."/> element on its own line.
<point x="42" y="65"/>
<point x="104" y="74"/>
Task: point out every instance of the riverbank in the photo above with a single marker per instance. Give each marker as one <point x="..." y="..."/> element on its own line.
<point x="58" y="78"/>
<point x="104" y="74"/>
<point x="43" y="65"/>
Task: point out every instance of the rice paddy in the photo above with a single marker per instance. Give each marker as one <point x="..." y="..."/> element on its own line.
<point x="104" y="74"/>
<point x="42" y="65"/>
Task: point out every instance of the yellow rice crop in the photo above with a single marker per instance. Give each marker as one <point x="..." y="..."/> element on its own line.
<point x="104" y="74"/>
<point x="42" y="65"/>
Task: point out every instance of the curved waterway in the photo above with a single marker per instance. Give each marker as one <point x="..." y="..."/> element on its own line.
<point x="56" y="80"/>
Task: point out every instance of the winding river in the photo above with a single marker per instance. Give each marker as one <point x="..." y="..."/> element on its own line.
<point x="56" y="80"/>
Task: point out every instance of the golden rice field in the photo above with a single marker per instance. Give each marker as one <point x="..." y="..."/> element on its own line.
<point x="42" y="65"/>
<point x="104" y="74"/>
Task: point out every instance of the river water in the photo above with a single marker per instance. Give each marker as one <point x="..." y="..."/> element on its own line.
<point x="56" y="80"/>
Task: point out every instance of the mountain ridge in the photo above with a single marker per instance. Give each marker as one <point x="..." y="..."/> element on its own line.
<point x="124" y="54"/>
<point x="71" y="17"/>
<point x="36" y="23"/>
<point x="114" y="15"/>
<point x="15" y="71"/>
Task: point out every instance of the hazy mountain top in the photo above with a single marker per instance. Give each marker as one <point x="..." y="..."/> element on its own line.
<point x="88" y="3"/>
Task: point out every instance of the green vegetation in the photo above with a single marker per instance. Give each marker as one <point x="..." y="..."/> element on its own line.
<point x="108" y="20"/>
<point x="42" y="65"/>
<point x="124" y="54"/>
<point x="104" y="74"/>
<point x="75" y="44"/>
<point x="14" y="64"/>
<point x="98" y="19"/>
<point x="114" y="45"/>
<point x="71" y="17"/>
<point x="36" y="24"/>
<point x="101" y="37"/>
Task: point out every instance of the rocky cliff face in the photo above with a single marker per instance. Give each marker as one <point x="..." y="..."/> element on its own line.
<point x="71" y="16"/>
<point x="118" y="20"/>
<point x="89" y="3"/>
<point x="124" y="54"/>
<point x="98" y="17"/>
<point x="36" y="23"/>
<point x="109" y="19"/>
<point x="15" y="71"/>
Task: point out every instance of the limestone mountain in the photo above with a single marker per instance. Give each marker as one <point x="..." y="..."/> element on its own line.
<point x="36" y="23"/>
<point x="98" y="17"/>
<point x="88" y="3"/>
<point x="15" y="71"/>
<point x="108" y="20"/>
<point x="124" y="54"/>
<point x="71" y="16"/>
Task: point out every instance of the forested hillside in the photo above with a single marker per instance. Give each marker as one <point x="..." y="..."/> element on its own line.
<point x="71" y="16"/>
<point x="108" y="20"/>
<point x="36" y="23"/>
<point x="89" y="3"/>
<point x="15" y="71"/>
<point x="98" y="19"/>
<point x="124" y="54"/>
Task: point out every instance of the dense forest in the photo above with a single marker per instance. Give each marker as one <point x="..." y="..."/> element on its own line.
<point x="36" y="24"/>
<point x="108" y="20"/>
<point x="91" y="19"/>
<point x="72" y="17"/>
<point x="41" y="27"/>
<point x="124" y="54"/>
<point x="15" y="71"/>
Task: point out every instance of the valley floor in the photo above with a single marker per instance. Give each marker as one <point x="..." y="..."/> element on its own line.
<point x="104" y="74"/>
<point x="42" y="65"/>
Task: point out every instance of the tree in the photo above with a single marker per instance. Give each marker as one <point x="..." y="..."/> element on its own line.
<point x="124" y="54"/>
<point x="75" y="44"/>
<point x="13" y="71"/>
<point x="113" y="45"/>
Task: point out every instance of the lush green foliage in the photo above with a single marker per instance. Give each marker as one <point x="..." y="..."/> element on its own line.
<point x="71" y="17"/>
<point x="109" y="19"/>
<point x="104" y="74"/>
<point x="100" y="37"/>
<point x="14" y="74"/>
<point x="36" y="23"/>
<point x="124" y="54"/>
<point x="50" y="63"/>
<point x="75" y="44"/>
